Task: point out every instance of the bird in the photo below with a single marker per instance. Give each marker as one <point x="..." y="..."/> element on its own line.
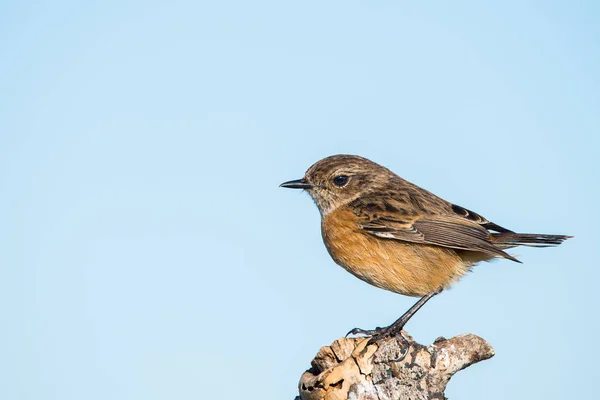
<point x="398" y="236"/>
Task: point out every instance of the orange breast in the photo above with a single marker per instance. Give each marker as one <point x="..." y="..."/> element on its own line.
<point x="401" y="267"/>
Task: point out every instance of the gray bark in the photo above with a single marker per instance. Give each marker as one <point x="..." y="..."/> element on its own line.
<point x="392" y="368"/>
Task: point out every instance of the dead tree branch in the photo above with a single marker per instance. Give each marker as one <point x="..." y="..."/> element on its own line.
<point x="390" y="369"/>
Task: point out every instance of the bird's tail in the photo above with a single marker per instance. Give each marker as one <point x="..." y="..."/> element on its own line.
<point x="506" y="240"/>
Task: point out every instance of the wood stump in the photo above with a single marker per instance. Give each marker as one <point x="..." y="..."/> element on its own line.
<point x="391" y="369"/>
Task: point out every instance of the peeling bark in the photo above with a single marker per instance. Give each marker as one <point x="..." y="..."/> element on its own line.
<point x="390" y="369"/>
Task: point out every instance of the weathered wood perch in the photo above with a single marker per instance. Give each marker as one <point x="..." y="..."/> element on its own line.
<point x="386" y="370"/>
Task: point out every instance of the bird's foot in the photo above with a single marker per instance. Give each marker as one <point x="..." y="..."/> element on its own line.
<point x="387" y="332"/>
<point x="392" y="331"/>
<point x="379" y="333"/>
<point x="365" y="332"/>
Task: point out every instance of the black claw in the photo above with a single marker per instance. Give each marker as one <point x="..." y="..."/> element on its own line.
<point x="358" y="331"/>
<point x="405" y="346"/>
<point x="366" y="332"/>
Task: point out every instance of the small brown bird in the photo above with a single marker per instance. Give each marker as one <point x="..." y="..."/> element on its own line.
<point x="398" y="236"/>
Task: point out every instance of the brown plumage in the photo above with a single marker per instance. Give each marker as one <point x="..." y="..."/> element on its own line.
<point x="398" y="236"/>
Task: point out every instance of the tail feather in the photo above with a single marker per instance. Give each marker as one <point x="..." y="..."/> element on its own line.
<point x="506" y="240"/>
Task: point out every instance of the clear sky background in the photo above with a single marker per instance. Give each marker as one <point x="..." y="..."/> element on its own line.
<point x="148" y="253"/>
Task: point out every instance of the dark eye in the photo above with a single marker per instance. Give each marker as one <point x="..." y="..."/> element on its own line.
<point x="340" y="180"/>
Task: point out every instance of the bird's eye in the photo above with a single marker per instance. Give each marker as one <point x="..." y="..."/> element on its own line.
<point x="340" y="180"/>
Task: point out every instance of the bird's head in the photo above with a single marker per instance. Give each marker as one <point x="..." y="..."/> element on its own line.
<point x="337" y="180"/>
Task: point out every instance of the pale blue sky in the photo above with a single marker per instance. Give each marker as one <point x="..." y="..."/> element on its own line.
<point x="148" y="252"/>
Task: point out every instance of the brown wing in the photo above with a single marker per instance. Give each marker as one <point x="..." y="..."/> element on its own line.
<point x="426" y="221"/>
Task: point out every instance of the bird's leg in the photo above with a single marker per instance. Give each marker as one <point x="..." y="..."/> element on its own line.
<point x="396" y="327"/>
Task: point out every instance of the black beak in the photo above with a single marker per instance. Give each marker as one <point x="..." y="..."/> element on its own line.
<point x="297" y="184"/>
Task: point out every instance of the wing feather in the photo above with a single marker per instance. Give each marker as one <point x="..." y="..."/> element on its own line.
<point x="395" y="219"/>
